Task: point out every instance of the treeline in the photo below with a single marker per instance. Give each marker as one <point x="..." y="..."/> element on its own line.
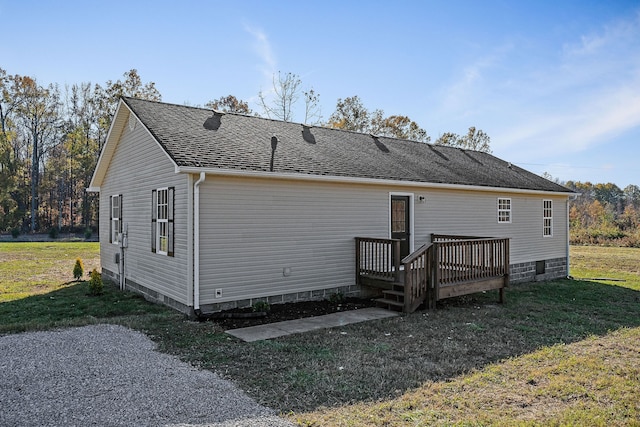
<point x="51" y="138"/>
<point x="50" y="141"/>
<point x="604" y="214"/>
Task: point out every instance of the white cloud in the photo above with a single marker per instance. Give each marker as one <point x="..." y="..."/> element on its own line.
<point x="622" y="31"/>
<point x="586" y="96"/>
<point x="262" y="47"/>
<point x="463" y="94"/>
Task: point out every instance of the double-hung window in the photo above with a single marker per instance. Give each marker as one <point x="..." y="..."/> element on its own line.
<point x="115" y="218"/>
<point x="547" y="218"/>
<point x="162" y="227"/>
<point x="504" y="210"/>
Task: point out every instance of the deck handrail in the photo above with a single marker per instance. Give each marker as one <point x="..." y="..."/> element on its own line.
<point x="377" y="258"/>
<point x="420" y="277"/>
<point x="444" y="237"/>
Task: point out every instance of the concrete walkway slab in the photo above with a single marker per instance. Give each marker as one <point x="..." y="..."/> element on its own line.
<point x="288" y="327"/>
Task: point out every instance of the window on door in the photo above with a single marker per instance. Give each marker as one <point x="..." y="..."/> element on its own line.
<point x="401" y="222"/>
<point x="398" y="216"/>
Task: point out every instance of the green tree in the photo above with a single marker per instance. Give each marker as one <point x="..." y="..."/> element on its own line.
<point x="610" y="194"/>
<point x="630" y="218"/>
<point x="475" y="139"/>
<point x="632" y="195"/>
<point x="351" y="114"/>
<point x="401" y="127"/>
<point x="10" y="164"/>
<point x="78" y="269"/>
<point x="229" y="104"/>
<point x="106" y="99"/>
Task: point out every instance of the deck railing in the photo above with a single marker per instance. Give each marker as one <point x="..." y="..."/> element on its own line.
<point x="471" y="258"/>
<point x="448" y="266"/>
<point x="378" y="258"/>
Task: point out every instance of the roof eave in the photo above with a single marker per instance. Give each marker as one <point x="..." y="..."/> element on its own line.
<point x="358" y="180"/>
<point x="107" y="150"/>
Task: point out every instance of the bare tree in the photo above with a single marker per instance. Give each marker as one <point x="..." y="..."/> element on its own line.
<point x="312" y="112"/>
<point x="286" y="93"/>
<point x="39" y="114"/>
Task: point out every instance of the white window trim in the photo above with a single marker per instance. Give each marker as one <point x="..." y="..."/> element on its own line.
<point x="115" y="221"/>
<point x="162" y="221"/>
<point x="510" y="210"/>
<point x="544" y="218"/>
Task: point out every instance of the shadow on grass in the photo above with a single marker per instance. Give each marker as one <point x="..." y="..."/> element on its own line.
<point x="369" y="361"/>
<point x="71" y="306"/>
<point x="379" y="360"/>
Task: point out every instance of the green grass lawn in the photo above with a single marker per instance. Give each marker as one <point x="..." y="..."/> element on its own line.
<point x="565" y="352"/>
<point x="38" y="290"/>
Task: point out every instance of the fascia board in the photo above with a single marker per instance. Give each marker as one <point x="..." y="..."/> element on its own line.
<point x="364" y="181"/>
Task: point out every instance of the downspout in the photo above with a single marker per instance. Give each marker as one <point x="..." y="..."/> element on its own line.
<point x="196" y="244"/>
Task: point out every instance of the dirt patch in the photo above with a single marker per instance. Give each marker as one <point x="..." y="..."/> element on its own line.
<point x="242" y="318"/>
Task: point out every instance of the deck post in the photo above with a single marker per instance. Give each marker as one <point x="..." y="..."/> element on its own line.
<point x="357" y="261"/>
<point x="396" y="260"/>
<point x="435" y="276"/>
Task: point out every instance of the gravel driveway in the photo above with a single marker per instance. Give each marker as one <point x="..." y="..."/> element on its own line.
<point x="107" y="375"/>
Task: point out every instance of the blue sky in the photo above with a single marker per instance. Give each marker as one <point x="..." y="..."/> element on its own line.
<point x="556" y="84"/>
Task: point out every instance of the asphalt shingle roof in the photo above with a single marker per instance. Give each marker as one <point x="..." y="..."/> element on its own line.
<point x="243" y="142"/>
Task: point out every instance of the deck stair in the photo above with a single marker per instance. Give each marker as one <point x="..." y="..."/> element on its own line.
<point x="392" y="299"/>
<point x="448" y="266"/>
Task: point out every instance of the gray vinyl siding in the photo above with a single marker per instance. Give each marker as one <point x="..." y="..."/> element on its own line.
<point x="138" y="166"/>
<point x="476" y="214"/>
<point x="251" y="230"/>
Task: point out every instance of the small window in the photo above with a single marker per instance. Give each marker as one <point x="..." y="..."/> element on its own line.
<point x="115" y="218"/>
<point x="547" y="218"/>
<point x="162" y="227"/>
<point x="504" y="210"/>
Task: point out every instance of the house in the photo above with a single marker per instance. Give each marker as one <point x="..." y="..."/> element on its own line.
<point x="204" y="211"/>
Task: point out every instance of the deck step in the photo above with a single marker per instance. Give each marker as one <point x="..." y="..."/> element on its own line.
<point x="390" y="304"/>
<point x="394" y="292"/>
<point x="398" y="287"/>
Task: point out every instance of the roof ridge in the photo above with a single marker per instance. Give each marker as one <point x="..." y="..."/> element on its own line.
<point x="320" y="126"/>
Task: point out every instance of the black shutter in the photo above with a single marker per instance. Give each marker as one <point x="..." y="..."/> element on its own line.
<point x="154" y="213"/>
<point x="171" y="214"/>
<point x="120" y="217"/>
<point x="110" y="219"/>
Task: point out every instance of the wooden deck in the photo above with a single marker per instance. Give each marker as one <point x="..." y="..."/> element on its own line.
<point x="447" y="267"/>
